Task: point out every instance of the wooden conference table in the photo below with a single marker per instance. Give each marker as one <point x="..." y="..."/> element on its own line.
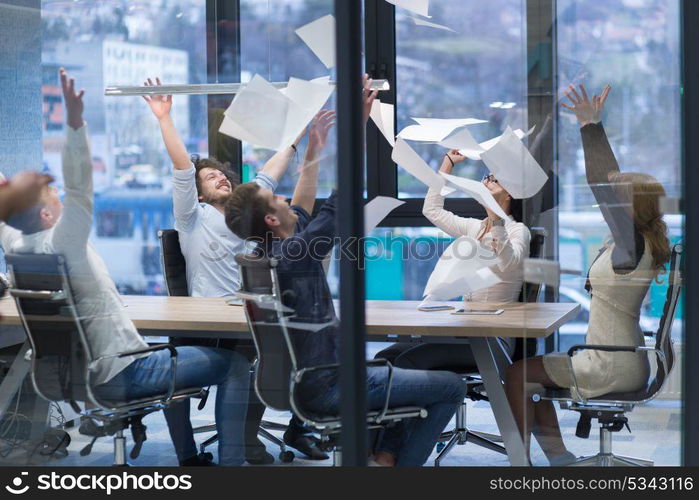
<point x="385" y="321"/>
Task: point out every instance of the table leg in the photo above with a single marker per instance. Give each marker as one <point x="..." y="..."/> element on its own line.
<point x="14" y="378"/>
<point x="485" y="350"/>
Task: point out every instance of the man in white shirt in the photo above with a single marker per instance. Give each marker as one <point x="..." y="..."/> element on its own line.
<point x="64" y="228"/>
<point x="200" y="189"/>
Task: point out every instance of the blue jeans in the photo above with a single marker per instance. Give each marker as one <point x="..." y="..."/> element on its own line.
<point x="411" y="441"/>
<point x="196" y="367"/>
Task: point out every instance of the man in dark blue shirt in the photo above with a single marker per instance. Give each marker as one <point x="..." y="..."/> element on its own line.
<point x="300" y="243"/>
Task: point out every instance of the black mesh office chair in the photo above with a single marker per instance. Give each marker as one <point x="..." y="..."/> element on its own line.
<point x="277" y="375"/>
<point x="175" y="270"/>
<point x="524" y="348"/>
<point x="610" y="409"/>
<point x="62" y="360"/>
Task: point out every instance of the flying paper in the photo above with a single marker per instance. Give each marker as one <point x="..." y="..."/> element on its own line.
<point x="320" y="38"/>
<point x="377" y="209"/>
<point x="477" y="191"/>
<point x="514" y="166"/>
<point x="462" y="268"/>
<point x="262" y="115"/>
<point x="406" y="157"/>
<point x="418" y="6"/>
<point x="435" y="129"/>
<point x="422" y="22"/>
<point x="382" y="114"/>
<point x="476" y="152"/>
<point x="460" y="139"/>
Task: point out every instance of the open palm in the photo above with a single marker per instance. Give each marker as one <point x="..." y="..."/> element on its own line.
<point x="324" y="121"/>
<point x="587" y="111"/>
<point x="160" y="105"/>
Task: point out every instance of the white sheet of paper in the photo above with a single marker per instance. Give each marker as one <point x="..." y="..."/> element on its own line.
<point x="477" y="191"/>
<point x="475" y="153"/>
<point x="542" y="271"/>
<point x="514" y="166"/>
<point x="460" y="139"/>
<point x="319" y="35"/>
<point x="422" y="22"/>
<point x="266" y="117"/>
<point x="377" y="210"/>
<point x="418" y="6"/>
<point x="406" y="157"/>
<point x="462" y="268"/>
<point x="383" y="116"/>
<point x="435" y="129"/>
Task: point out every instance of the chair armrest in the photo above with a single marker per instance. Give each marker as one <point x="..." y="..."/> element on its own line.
<point x="173" y="364"/>
<point x="374" y="362"/>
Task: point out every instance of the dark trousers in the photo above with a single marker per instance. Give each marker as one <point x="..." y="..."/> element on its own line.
<point x="451" y="357"/>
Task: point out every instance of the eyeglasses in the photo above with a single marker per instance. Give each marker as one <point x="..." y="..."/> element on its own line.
<point x="489" y="178"/>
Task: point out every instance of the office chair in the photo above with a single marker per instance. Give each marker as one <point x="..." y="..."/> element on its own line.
<point x="62" y="362"/>
<point x="277" y="374"/>
<point x="524" y="348"/>
<point x="175" y="270"/>
<point x="610" y="409"/>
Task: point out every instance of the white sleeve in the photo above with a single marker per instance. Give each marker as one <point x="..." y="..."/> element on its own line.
<point x="185" y="201"/>
<point x="8" y="236"/>
<point x="73" y="228"/>
<point x="511" y="244"/>
<point x="448" y="222"/>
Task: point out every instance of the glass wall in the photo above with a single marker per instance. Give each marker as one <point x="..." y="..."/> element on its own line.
<point x="117" y="42"/>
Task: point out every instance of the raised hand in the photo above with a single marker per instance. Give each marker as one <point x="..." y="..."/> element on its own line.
<point x="450" y="159"/>
<point x="322" y="123"/>
<point x="368" y="96"/>
<point x="587" y="111"/>
<point x="73" y="101"/>
<point x="159" y="104"/>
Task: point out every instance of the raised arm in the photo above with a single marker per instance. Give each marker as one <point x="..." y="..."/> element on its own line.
<point x="600" y="166"/>
<point x="73" y="227"/>
<point x="307" y="185"/>
<point x="185" y="200"/>
<point x="433" y="208"/>
<point x="161" y="105"/>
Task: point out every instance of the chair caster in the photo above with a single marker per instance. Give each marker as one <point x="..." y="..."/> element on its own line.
<point x="440" y="446"/>
<point x="286" y="457"/>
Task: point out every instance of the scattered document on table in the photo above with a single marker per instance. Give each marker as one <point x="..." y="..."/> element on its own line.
<point x="319" y="35"/>
<point x="377" y="210"/>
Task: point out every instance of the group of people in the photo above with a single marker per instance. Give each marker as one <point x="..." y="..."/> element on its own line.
<point x="212" y="210"/>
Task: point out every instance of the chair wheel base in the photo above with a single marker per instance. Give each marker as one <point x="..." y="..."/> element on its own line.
<point x="287" y="457"/>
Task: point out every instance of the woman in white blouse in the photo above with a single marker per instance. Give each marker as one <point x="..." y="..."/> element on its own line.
<point x="508" y="238"/>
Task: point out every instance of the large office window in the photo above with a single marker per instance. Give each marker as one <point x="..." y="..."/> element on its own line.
<point x="271" y="49"/>
<point x="103" y="43"/>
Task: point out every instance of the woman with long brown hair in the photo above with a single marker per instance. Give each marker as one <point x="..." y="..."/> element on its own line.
<point x="618" y="281"/>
